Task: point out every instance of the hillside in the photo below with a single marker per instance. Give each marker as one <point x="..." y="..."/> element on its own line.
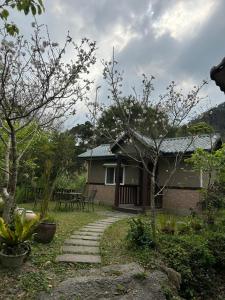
<point x="215" y="117"/>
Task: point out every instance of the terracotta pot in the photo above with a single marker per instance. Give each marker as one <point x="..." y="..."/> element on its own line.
<point x="44" y="233"/>
<point x="13" y="261"/>
<point x="30" y="215"/>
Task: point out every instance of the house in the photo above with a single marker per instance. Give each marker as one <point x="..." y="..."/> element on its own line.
<point x="121" y="180"/>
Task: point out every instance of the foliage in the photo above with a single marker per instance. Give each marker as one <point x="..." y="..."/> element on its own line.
<point x="27" y="6"/>
<point x="19" y="232"/>
<point x="139" y="233"/>
<point x="38" y="87"/>
<point x="71" y="181"/>
<point x="190" y="256"/>
<point x="48" y="189"/>
<point x="42" y="272"/>
<point x="1" y="205"/>
<point x="216" y="243"/>
<point x="168" y="225"/>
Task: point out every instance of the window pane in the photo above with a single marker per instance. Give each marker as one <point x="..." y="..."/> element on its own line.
<point x="110" y="175"/>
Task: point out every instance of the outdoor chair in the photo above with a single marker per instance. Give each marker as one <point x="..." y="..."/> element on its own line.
<point x="88" y="200"/>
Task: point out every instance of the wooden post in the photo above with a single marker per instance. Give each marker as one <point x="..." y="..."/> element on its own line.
<point x="144" y="188"/>
<point x="117" y="179"/>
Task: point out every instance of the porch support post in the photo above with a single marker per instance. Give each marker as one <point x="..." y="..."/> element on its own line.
<point x="144" y="187"/>
<point x="117" y="180"/>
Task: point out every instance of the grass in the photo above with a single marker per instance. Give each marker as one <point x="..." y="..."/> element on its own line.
<point x="40" y="272"/>
<point x="115" y="249"/>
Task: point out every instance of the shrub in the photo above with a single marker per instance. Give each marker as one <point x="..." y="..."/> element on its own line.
<point x="196" y="224"/>
<point x="168" y="225"/>
<point x="191" y="257"/>
<point x="216" y="243"/>
<point x="183" y="227"/>
<point x="139" y="233"/>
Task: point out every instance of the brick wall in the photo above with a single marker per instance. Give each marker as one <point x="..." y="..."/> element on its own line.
<point x="179" y="201"/>
<point x="105" y="193"/>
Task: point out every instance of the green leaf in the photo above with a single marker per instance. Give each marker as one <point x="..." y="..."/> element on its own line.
<point x="12" y="29"/>
<point x="33" y="10"/>
<point x="4" y="14"/>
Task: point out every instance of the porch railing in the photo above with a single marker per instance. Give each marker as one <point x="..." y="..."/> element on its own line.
<point x="129" y="194"/>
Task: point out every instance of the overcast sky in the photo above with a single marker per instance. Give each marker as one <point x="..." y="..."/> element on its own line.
<point x="170" y="39"/>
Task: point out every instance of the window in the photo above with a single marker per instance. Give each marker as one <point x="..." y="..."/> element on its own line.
<point x="110" y="175"/>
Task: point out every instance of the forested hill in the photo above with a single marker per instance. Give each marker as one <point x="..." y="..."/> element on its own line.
<point x="215" y="117"/>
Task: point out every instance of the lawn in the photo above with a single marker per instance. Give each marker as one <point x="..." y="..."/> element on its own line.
<point x="40" y="272"/>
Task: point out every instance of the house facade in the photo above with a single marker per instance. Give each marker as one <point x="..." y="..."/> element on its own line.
<point x="123" y="182"/>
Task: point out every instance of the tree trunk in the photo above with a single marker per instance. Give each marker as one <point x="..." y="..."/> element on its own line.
<point x="9" y="189"/>
<point x="153" y="213"/>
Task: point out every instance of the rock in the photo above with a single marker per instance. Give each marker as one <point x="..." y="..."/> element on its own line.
<point x="173" y="276"/>
<point x="125" y="282"/>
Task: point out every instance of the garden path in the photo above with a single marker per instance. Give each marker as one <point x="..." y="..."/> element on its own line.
<point x="83" y="245"/>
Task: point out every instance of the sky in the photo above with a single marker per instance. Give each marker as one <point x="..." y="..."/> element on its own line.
<point x="176" y="40"/>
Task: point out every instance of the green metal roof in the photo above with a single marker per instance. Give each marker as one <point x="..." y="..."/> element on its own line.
<point x="169" y="145"/>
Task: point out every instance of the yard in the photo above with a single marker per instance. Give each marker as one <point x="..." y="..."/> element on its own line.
<point x="41" y="272"/>
<point x="198" y="255"/>
<point x="188" y="253"/>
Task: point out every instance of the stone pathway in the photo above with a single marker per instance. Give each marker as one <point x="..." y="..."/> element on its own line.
<point x="83" y="245"/>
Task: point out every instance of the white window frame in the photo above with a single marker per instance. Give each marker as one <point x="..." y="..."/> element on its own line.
<point x="114" y="176"/>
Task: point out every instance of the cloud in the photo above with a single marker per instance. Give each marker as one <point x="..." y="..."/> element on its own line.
<point x="184" y="19"/>
<point x="173" y="40"/>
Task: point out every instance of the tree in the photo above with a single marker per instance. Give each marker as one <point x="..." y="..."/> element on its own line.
<point x="171" y="110"/>
<point x="129" y="109"/>
<point x="37" y="85"/>
<point x="26" y="6"/>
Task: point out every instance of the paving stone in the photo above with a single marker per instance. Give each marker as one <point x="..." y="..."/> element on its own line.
<point x="79" y="258"/>
<point x="80" y="242"/>
<point x="85" y="237"/>
<point x="80" y="249"/>
<point x="88" y="233"/>
<point x="91" y="230"/>
<point x="97" y="226"/>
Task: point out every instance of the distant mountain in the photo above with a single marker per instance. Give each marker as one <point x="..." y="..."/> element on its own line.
<point x="214" y="117"/>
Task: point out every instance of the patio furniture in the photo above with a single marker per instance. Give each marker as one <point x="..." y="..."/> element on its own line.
<point x="88" y="200"/>
<point x="68" y="199"/>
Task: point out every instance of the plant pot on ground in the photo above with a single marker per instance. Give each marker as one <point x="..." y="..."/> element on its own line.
<point x="15" y="236"/>
<point x="45" y="231"/>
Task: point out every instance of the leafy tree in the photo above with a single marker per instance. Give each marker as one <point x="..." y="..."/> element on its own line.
<point x="27" y="6"/>
<point x="111" y="125"/>
<point x="158" y="117"/>
<point x="36" y="85"/>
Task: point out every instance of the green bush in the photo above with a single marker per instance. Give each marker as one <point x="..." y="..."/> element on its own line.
<point x="216" y="243"/>
<point x="139" y="234"/>
<point x="191" y="257"/>
<point x="183" y="227"/>
<point x="66" y="181"/>
<point x="20" y="194"/>
<point x="168" y="225"/>
<point x="196" y="224"/>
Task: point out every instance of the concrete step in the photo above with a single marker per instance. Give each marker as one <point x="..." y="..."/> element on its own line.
<point x="80" y="242"/>
<point x="87" y="233"/>
<point x="86" y="237"/>
<point x="80" y="249"/>
<point x="100" y="230"/>
<point x="79" y="258"/>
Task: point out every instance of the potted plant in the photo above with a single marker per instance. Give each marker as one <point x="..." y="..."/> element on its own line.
<point x="47" y="227"/>
<point x="15" y="247"/>
<point x="46" y="230"/>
